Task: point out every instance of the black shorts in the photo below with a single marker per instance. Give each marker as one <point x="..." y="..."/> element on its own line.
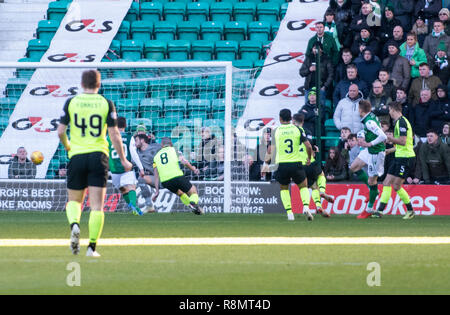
<point x="90" y="169"/>
<point x="177" y="183"/>
<point x="401" y="167"/>
<point x="288" y="172"/>
<point x="312" y="172"/>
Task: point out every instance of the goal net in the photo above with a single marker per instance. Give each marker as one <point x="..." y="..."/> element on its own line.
<point x="196" y="104"/>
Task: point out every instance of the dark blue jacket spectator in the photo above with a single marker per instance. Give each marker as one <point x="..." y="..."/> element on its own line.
<point x="368" y="66"/>
<point x="341" y="89"/>
<point x="440" y="110"/>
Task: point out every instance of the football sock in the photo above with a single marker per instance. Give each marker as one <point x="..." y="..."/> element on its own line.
<point x="126" y="197"/>
<point x="73" y="212"/>
<point x="193" y="198"/>
<point x="132" y="197"/>
<point x="286" y="199"/>
<point x="322" y="183"/>
<point x="405" y="198"/>
<point x="363" y="177"/>
<point x="96" y="220"/>
<point x="384" y="199"/>
<point x="373" y="193"/>
<point x="316" y="197"/>
<point x="185" y="199"/>
<point x="306" y="197"/>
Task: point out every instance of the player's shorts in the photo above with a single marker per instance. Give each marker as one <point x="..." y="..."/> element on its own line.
<point x="288" y="172"/>
<point x="177" y="183"/>
<point x="89" y="169"/>
<point x="401" y="167"/>
<point x="375" y="162"/>
<point x="123" y="179"/>
<point x="312" y="172"/>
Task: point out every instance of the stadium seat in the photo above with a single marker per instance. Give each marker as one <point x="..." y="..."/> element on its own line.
<point x="283" y="10"/>
<point x="197" y="11"/>
<point x="155" y="49"/>
<point x="268" y="11"/>
<point x="132" y="49"/>
<point x="226" y="50"/>
<point x="7" y="104"/>
<point x="275" y="28"/>
<point x="202" y="50"/>
<point x="188" y="30"/>
<point x="214" y="123"/>
<point x="133" y="123"/>
<point x="165" y="30"/>
<point x="151" y="11"/>
<point x="174" y="115"/>
<point x="250" y="49"/>
<point x="155" y="1"/>
<point x="235" y="30"/>
<point x="141" y="30"/>
<point x="221" y="11"/>
<point x="124" y="31"/>
<point x="174" y="11"/>
<point x="199" y="104"/>
<point x="258" y="64"/>
<point x="218" y="109"/>
<point x="259" y="31"/>
<point x="149" y="105"/>
<point x="243" y="63"/>
<point x="133" y="12"/>
<point x="160" y="88"/>
<point x="121" y="73"/>
<point x="47" y="29"/>
<point x="57" y="10"/>
<point x="153" y="115"/>
<point x="211" y="31"/>
<point x="244" y="11"/>
<point x="239" y="106"/>
<point x="136" y="90"/>
<point x="179" y="50"/>
<point x="183" y="88"/>
<point x="280" y="2"/>
<point x="128" y="115"/>
<point x="37" y="48"/>
<point x="198" y="114"/>
<point x="112" y="89"/>
<point x="113" y="52"/>
<point x="231" y="1"/>
<point x="25" y="73"/>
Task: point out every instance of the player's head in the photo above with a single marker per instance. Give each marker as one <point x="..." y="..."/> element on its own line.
<point x="365" y="107"/>
<point x="395" y="110"/>
<point x="140" y="140"/>
<point x="121" y="122"/>
<point x="166" y="142"/>
<point x="285" y="116"/>
<point x="298" y="119"/>
<point x="90" y="80"/>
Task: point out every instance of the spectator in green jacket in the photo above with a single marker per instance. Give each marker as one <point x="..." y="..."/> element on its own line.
<point x="325" y="41"/>
<point x="415" y="55"/>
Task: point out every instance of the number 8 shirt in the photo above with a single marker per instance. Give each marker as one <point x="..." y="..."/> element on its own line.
<point x="166" y="162"/>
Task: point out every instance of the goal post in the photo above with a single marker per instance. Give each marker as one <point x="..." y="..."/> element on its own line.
<point x="197" y="104"/>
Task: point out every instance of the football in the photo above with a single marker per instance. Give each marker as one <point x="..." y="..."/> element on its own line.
<point x="37" y="157"/>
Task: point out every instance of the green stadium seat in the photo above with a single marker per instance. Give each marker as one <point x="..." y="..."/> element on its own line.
<point x="129" y="115"/>
<point x="161" y="94"/>
<point x="133" y="12"/>
<point x="226" y="50"/>
<point x="218" y="105"/>
<point x="141" y="30"/>
<point x="275" y="28"/>
<point x="37" y="48"/>
<point x="121" y="73"/>
<point x="15" y="87"/>
<point x="214" y="123"/>
<point x="153" y="115"/>
<point x="179" y="50"/>
<point x="258" y="64"/>
<point x="259" y="31"/>
<point x="283" y="10"/>
<point x="132" y="49"/>
<point x="136" y="90"/>
<point x="47" y="29"/>
<point x="25" y="73"/>
<point x="151" y="11"/>
<point x="240" y="105"/>
<point x="4" y="122"/>
<point x="174" y="115"/>
<point x="244" y="11"/>
<point x="113" y="52"/>
<point x="165" y="30"/>
<point x="199" y="104"/>
<point x="155" y="1"/>
<point x="7" y="105"/>
<point x="148" y="105"/>
<point x="231" y="1"/>
<point x="183" y="88"/>
<point x="174" y="11"/>
<point x="268" y="11"/>
<point x="57" y="10"/>
<point x="198" y="114"/>
<point x="202" y="50"/>
<point x="164" y="125"/>
<point x="127" y="105"/>
<point x="160" y="88"/>
<point x="188" y="30"/>
<point x="133" y="123"/>
<point x="211" y="31"/>
<point x="112" y="89"/>
<point x="221" y="11"/>
<point x="235" y="30"/>
<point x="280" y="2"/>
<point x="155" y="49"/>
<point x="250" y="49"/>
<point x="243" y="64"/>
<point x="124" y="31"/>
<point x="197" y="11"/>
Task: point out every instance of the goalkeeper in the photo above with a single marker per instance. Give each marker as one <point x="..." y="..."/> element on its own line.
<point x="167" y="171"/>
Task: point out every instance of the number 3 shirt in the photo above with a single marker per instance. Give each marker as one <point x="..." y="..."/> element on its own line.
<point x="288" y="139"/>
<point x="166" y="162"/>
<point x="89" y="116"/>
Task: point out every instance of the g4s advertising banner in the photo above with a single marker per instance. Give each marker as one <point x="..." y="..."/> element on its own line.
<point x="84" y="36"/>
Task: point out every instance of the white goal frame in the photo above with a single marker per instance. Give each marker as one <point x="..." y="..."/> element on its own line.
<point x="227" y="65"/>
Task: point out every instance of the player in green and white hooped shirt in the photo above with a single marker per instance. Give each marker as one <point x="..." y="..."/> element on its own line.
<point x="125" y="181"/>
<point x="403" y="140"/>
<point x="373" y="154"/>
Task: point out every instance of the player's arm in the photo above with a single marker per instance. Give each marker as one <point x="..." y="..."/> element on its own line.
<point x="116" y="138"/>
<point x="62" y="127"/>
<point x="134" y="155"/>
<point x="381" y="136"/>
<point x="156" y="177"/>
<point x="186" y="163"/>
<point x="403" y="129"/>
<point x="308" y="146"/>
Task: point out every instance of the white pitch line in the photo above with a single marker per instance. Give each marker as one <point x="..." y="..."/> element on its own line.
<point x="233" y="241"/>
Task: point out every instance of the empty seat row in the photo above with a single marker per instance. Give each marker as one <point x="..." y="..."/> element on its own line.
<point x="214" y="1"/>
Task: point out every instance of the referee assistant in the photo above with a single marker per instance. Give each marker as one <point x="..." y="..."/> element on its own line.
<point x="90" y="115"/>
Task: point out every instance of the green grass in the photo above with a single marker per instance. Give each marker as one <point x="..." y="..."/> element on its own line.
<point x="285" y="269"/>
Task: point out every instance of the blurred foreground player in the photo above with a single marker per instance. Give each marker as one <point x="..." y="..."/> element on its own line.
<point x="90" y="115"/>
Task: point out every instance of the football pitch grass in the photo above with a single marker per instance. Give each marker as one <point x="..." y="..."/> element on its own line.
<point x="226" y="254"/>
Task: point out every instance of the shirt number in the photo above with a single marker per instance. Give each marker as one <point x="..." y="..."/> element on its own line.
<point x="290" y="145"/>
<point x="164" y="158"/>
<point x="95" y="124"/>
